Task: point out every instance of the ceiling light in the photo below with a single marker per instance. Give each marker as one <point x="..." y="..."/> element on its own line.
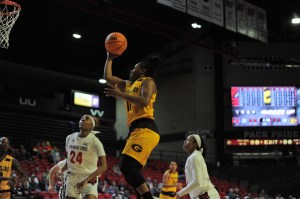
<point x="296" y="20"/>
<point x="292" y="65"/>
<point x="195" y="25"/>
<point x="102" y="81"/>
<point x="77" y="36"/>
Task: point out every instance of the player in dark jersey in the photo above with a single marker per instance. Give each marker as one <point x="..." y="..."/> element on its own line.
<point x="140" y="94"/>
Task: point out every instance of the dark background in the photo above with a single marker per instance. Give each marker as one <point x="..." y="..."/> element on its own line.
<point x="42" y="36"/>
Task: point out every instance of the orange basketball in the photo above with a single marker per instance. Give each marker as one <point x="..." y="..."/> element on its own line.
<point x="116" y="43"/>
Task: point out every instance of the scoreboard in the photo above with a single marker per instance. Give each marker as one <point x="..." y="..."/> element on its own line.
<point x="264" y="106"/>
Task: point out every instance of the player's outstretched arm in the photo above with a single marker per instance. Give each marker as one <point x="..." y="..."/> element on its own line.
<point x="52" y="175"/>
<point x="113" y="80"/>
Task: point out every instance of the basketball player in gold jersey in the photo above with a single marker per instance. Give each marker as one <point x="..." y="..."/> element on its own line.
<point x="139" y="92"/>
<point x="170" y="180"/>
<point x="7" y="164"/>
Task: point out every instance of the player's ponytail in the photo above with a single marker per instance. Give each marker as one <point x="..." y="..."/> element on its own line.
<point x="97" y="122"/>
<point x="203" y="147"/>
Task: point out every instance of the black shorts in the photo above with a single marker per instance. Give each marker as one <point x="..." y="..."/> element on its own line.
<point x="143" y="123"/>
<point x="168" y="193"/>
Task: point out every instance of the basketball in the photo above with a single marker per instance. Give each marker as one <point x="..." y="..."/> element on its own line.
<point x="116" y="43"/>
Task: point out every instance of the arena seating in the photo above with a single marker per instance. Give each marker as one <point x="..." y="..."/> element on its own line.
<point x="154" y="169"/>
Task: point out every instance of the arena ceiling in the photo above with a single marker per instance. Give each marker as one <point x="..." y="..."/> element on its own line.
<point x="42" y="36"/>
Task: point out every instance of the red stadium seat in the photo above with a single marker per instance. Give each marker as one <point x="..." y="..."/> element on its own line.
<point x="45" y="194"/>
<point x="107" y="196"/>
<point x="54" y="195"/>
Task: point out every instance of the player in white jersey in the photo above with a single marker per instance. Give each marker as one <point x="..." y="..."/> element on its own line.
<point x="84" y="151"/>
<point x="197" y="178"/>
<point x="59" y="171"/>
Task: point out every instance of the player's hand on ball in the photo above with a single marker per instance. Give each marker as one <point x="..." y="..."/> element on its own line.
<point x="113" y="91"/>
<point x="115" y="43"/>
<point x="112" y="56"/>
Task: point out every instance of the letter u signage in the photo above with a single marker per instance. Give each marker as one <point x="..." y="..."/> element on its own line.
<point x="27" y="102"/>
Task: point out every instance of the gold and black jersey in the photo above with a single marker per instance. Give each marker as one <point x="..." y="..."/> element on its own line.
<point x="135" y="112"/>
<point x="172" y="180"/>
<point x="6" y="171"/>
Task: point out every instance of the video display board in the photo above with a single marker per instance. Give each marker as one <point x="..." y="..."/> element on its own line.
<point x="85" y="99"/>
<point x="265" y="106"/>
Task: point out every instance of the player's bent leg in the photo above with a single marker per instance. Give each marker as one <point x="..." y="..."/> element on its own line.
<point x="131" y="170"/>
<point x="143" y="188"/>
<point x="70" y="191"/>
<point x="213" y="194"/>
<point x="90" y="191"/>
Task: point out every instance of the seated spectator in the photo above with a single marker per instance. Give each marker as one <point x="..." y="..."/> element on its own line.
<point x="42" y="148"/>
<point x="247" y="196"/>
<point x="121" y="187"/>
<point x="55" y="155"/>
<point x="160" y="186"/>
<point x="112" y="188"/>
<point x="116" y="195"/>
<point x="149" y="183"/>
<point x="48" y="146"/>
<point x="155" y="190"/>
<point x="126" y="194"/>
<point x="103" y="186"/>
<point x="236" y="193"/>
<point x="278" y="196"/>
<point x="230" y="194"/>
<point x="262" y="194"/>
<point x="34" y="183"/>
<point x="23" y="190"/>
<point x="43" y="182"/>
